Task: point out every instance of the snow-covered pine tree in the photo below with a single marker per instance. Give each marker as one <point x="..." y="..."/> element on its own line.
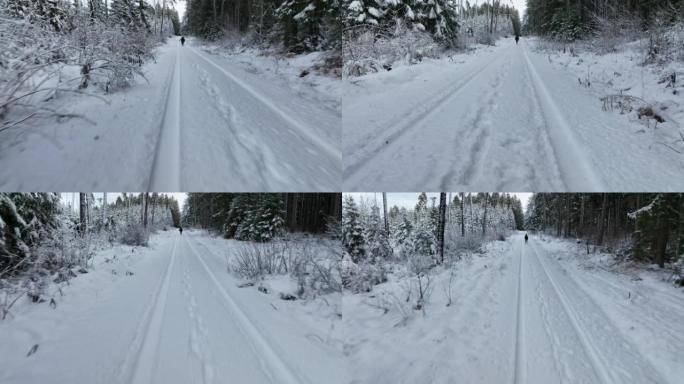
<point x="304" y="23"/>
<point x="25" y="220"/>
<point x="422" y="240"/>
<point x="352" y="231"/>
<point x="239" y="208"/>
<point x="404" y="228"/>
<point x="54" y="12"/>
<point x="363" y="11"/>
<point x="269" y="217"/>
<point x="97" y="10"/>
<point x="132" y="14"/>
<point x="243" y="216"/>
<point x="377" y="241"/>
<point x="421" y="211"/>
<point x="123" y="12"/>
<point x="439" y="18"/>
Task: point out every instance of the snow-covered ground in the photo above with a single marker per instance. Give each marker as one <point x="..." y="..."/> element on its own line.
<point x="178" y="318"/>
<point x="503" y="118"/>
<point x="203" y="123"/>
<point x="522" y="313"/>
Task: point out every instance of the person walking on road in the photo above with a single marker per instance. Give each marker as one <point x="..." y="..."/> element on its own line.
<point x="517" y="38"/>
<point x="180" y="229"/>
<point x="182" y="39"/>
<point x="526" y="238"/>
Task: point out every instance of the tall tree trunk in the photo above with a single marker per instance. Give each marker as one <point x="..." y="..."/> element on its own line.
<point x="146" y="198"/>
<point x="82" y="212"/>
<point x="462" y="214"/>
<point x="441" y="225"/>
<point x="154" y="206"/>
<point x="602" y="219"/>
<point x="470" y="198"/>
<point x="484" y="217"/>
<point x="581" y="225"/>
<point x="661" y="239"/>
<point x="142" y="208"/>
<point x="104" y="210"/>
<point x="161" y="22"/>
<point x="384" y="208"/>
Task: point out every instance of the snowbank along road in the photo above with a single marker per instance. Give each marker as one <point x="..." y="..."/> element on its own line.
<point x="522" y="316"/>
<point x="179" y="319"/>
<point x="202" y="123"/>
<point x="503" y="118"/>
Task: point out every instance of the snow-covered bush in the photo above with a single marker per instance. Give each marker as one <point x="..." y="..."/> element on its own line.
<point x="370" y="49"/>
<point x="363" y="276"/>
<point x="254" y="261"/>
<point x="29" y="59"/>
<point x="320" y="272"/>
<point x="314" y="271"/>
<point x="26" y="221"/>
<point x="110" y="57"/>
<point x="50" y="47"/>
<point x="39" y="245"/>
<point x="135" y="234"/>
<point x="419" y="263"/>
<point x="678" y="275"/>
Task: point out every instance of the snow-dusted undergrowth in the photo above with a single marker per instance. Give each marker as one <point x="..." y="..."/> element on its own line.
<point x="634" y="74"/>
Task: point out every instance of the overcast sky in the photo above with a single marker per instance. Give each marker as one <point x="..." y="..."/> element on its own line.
<point x="409" y="200"/>
<point x="180" y="7"/>
<point x="520" y="5"/>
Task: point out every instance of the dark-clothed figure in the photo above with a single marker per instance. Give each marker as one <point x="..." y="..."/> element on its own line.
<point x="517" y="38"/>
<point x="526" y="238"/>
<point x="182" y="40"/>
<point x="180" y="229"/>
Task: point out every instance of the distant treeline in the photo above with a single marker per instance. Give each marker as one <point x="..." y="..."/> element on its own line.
<point x="261" y="216"/>
<point x="299" y="25"/>
<point x="574" y="19"/>
<point x="652" y="225"/>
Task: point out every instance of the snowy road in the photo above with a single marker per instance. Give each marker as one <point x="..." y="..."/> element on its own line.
<point x="524" y="316"/>
<point x="178" y="319"/>
<point x="204" y="122"/>
<point x="503" y="118"/>
<point x="216" y="123"/>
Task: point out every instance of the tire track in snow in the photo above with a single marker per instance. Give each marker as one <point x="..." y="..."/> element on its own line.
<point x="246" y="151"/>
<point x="407" y="122"/>
<point x="165" y="174"/>
<point x="599" y="364"/>
<point x="520" y="356"/>
<point x="198" y="332"/>
<point x="480" y="126"/>
<point x="632" y="366"/>
<point x="665" y="298"/>
<point x="274" y="367"/>
<point x="477" y="293"/>
<point x="546" y="154"/>
<point x="659" y="315"/>
<point x="577" y="170"/>
<point x="140" y="362"/>
<point x="330" y="149"/>
<point x="557" y="344"/>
